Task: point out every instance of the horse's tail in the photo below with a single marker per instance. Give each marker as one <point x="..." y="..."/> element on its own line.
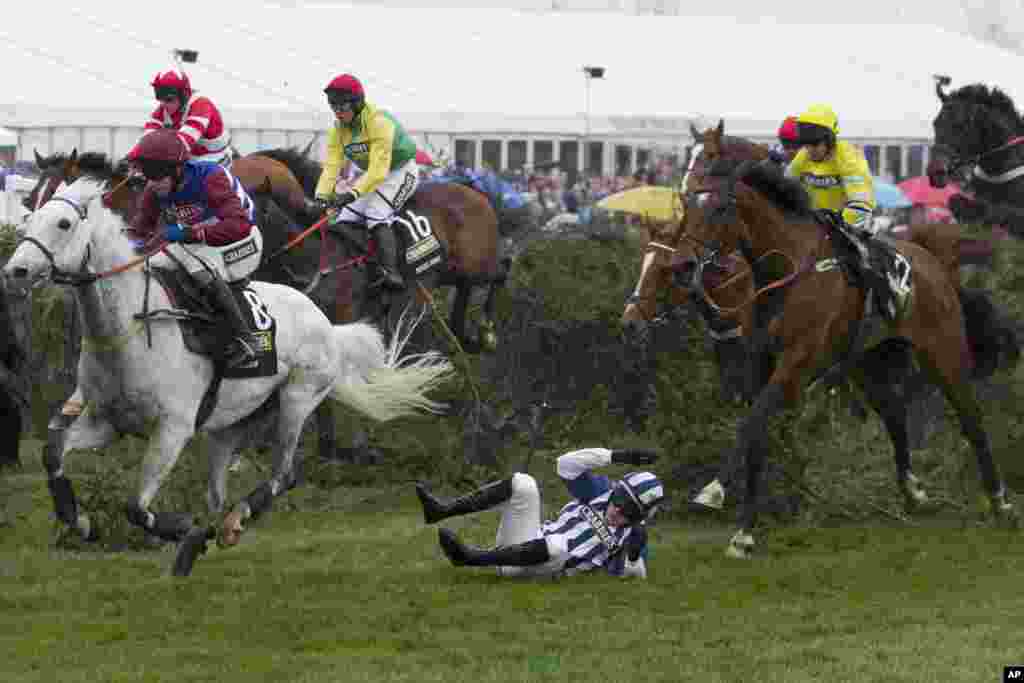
<point x="993" y="342"/>
<point x="376" y="381"/>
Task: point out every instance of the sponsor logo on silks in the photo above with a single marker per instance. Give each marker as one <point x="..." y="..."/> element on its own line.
<point x="820" y="181"/>
<point x="405" y="190"/>
<point x="187" y="214"/>
<point x="357" y="149"/>
<point x="600" y="527"/>
<point x="243" y="250"/>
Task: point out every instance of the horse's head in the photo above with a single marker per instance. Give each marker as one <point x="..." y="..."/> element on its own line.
<point x="57" y="235"/>
<point x="660" y="249"/>
<point x="53" y="171"/>
<point x="126" y="188"/>
<point x="714" y="158"/>
<point x="973" y="122"/>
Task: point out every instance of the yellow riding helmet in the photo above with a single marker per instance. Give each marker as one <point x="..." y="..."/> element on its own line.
<point x="821" y="115"/>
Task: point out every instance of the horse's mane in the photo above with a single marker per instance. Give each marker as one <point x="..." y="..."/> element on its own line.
<point x="739" y="149"/>
<point x="95" y="165"/>
<point x="994" y="98"/>
<point x="785" y="193"/>
<point x="305" y="169"/>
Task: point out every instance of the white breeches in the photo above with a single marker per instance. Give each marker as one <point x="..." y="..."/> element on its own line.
<point x="381" y="205"/>
<point x="521" y="522"/>
<point x="232" y="262"/>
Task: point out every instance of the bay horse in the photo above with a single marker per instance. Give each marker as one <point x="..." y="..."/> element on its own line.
<point x="979" y="141"/>
<point x="151" y="385"/>
<point x="820" y="325"/>
<point x="324" y="265"/>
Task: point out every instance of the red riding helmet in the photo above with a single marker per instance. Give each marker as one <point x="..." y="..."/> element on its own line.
<point x="172" y="79"/>
<point x="347" y="84"/>
<point x="162" y="145"/>
<point x="788" y="133"/>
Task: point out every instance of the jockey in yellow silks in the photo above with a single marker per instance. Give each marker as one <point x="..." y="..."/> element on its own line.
<point x="834" y="172"/>
<point x="375" y="141"/>
<point x="837" y="177"/>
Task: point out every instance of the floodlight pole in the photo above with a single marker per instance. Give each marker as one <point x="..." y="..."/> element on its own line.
<point x="589" y="73"/>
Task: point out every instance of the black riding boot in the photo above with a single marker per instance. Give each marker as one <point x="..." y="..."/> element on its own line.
<point x="484" y="498"/>
<point x="523" y="555"/>
<point x="387" y="257"/>
<point x="241" y="353"/>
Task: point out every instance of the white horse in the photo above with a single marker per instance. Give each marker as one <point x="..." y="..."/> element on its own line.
<point x="151" y="386"/>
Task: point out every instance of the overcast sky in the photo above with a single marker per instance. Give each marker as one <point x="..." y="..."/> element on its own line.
<point x="1000" y="21"/>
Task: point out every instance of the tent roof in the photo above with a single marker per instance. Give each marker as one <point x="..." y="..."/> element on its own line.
<point x="489" y="69"/>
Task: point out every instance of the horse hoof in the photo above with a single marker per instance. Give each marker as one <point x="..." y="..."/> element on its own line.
<point x="741" y="546"/>
<point x="87" y="530"/>
<point x="231" y="530"/>
<point x="192" y="546"/>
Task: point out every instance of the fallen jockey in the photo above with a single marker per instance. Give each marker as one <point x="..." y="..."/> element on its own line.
<point x="603" y="527"/>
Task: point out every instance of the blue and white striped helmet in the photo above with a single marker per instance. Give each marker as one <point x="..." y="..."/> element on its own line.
<point x="638" y="495"/>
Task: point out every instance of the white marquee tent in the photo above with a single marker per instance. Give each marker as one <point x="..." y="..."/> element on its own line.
<point x="78" y="73"/>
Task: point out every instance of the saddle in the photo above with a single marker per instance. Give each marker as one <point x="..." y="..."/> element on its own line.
<point x="198" y="318"/>
<point x="872" y="264"/>
<point x="420" y="252"/>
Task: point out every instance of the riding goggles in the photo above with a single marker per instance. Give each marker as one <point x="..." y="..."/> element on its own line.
<point x="340" y="103"/>
<point x="157" y="170"/>
<point x="631" y="510"/>
<point x="164" y="93"/>
<point x="813" y="134"/>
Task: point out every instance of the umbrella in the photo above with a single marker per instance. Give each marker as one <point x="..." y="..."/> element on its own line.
<point x="919" y="191"/>
<point x="889" y="196"/>
<point x="423" y="159"/>
<point x="656" y="203"/>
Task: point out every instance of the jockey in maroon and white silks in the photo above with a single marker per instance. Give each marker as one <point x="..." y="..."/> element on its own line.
<point x="195" y="117"/>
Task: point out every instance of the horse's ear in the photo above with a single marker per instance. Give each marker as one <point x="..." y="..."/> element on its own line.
<point x="693" y="132"/>
<point x="40" y="162"/>
<point x="720" y="129"/>
<point x="940" y="83"/>
<point x="74" y="156"/>
<point x="265" y="187"/>
<point x="308" y="148"/>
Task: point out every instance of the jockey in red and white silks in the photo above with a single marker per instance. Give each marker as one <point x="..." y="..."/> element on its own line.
<point x="195" y="117"/>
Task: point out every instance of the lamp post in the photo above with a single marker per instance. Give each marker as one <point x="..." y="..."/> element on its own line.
<point x="186" y="56"/>
<point x="589" y="73"/>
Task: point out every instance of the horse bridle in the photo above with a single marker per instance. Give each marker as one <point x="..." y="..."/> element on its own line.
<point x="57" y="274"/>
<point x="957" y="163"/>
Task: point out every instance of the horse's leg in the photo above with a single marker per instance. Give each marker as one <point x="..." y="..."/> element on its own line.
<point x="463" y="288"/>
<point x="10" y="429"/>
<point x="875" y="377"/>
<point x="222" y="446"/>
<point x="947" y="365"/>
<point x="297" y="402"/>
<point x="165" y="445"/>
<point x="752" y="444"/>
<point x="327" y="433"/>
<point x="87" y="431"/>
<point x="488" y="327"/>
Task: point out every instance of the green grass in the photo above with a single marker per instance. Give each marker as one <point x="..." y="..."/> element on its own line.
<point x="357" y="590"/>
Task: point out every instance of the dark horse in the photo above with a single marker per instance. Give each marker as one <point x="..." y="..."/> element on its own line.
<point x="821" y="324"/>
<point x="979" y="141"/>
<point x="325" y="264"/>
<point x="13" y="388"/>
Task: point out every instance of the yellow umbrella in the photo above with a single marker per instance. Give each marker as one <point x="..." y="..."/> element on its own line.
<point x="653" y="202"/>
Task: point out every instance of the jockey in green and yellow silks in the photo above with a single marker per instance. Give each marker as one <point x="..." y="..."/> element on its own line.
<point x="834" y="172"/>
<point x="375" y="141"/>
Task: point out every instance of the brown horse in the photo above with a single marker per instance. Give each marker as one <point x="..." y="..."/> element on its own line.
<point x="821" y="324"/>
<point x="324" y="265"/>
